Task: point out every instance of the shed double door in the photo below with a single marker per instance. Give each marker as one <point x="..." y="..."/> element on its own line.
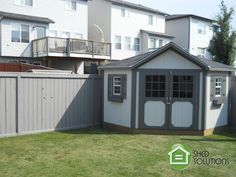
<point x="168" y="99"/>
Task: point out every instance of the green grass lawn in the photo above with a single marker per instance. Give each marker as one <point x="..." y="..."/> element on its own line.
<point x="99" y="153"/>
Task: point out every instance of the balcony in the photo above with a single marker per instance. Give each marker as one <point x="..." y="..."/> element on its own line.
<point x="78" y="48"/>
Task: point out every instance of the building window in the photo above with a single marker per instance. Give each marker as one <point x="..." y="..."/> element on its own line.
<point x="66" y="34"/>
<point x="117" y="87"/>
<point x="218" y="87"/>
<point x="25" y="33"/>
<point x="40" y="32"/>
<point x="136" y="44"/>
<point x="15" y="33"/>
<point x="20" y="33"/>
<point x="78" y="35"/>
<point x="53" y="33"/>
<point x="122" y="12"/>
<point x="118" y="42"/>
<point x="201" y="29"/>
<point x="127" y="43"/>
<point x="70" y="5"/>
<point x="150" y="21"/>
<point x="201" y="52"/>
<point x="24" y="2"/>
<point x="155" y="86"/>
<point x="152" y="43"/>
<point x="161" y="43"/>
<point x="182" y="86"/>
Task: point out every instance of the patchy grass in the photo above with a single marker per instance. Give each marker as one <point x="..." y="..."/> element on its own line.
<point x="100" y="153"/>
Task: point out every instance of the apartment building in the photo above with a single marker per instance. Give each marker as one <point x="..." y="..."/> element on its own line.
<point x="53" y="33"/>
<point x="131" y="28"/>
<point x="191" y="32"/>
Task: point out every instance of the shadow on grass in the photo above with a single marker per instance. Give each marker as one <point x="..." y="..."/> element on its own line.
<point x="94" y="131"/>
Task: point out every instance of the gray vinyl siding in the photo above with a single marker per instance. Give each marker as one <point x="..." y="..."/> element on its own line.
<point x="35" y="103"/>
<point x="179" y="28"/>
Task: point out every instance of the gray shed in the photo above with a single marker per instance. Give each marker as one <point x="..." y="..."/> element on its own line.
<point x="167" y="90"/>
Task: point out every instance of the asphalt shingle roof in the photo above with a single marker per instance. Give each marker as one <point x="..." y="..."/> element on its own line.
<point x="178" y="16"/>
<point x="30" y="18"/>
<point x="136" y="6"/>
<point x="136" y="61"/>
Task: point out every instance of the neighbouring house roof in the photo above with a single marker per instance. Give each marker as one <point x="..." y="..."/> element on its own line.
<point x="137" y="61"/>
<point x="153" y="33"/>
<point x="136" y="6"/>
<point x="30" y="18"/>
<point x="179" y="16"/>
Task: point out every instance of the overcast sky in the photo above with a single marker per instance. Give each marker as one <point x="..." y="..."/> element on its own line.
<point x="206" y="8"/>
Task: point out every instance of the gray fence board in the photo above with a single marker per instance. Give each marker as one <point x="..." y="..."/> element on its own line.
<point x="34" y="103"/>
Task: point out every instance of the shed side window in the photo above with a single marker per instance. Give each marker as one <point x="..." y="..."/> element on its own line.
<point x="218" y="87"/>
<point x="155" y="86"/>
<point x="183" y="86"/>
<point x="117" y="87"/>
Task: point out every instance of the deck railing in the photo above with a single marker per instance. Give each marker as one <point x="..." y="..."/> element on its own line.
<point x="48" y="45"/>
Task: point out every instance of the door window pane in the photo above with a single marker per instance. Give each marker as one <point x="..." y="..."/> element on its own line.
<point x="53" y="33"/>
<point x="15" y="33"/>
<point x="40" y="32"/>
<point x="66" y="35"/>
<point x="25" y="33"/>
<point x="182" y="86"/>
<point x="155" y="86"/>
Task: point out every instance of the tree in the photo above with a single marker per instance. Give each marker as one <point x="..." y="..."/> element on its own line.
<point x="223" y="44"/>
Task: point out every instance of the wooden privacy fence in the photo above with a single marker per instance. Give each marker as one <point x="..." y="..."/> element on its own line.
<point x="233" y="103"/>
<point x="36" y="103"/>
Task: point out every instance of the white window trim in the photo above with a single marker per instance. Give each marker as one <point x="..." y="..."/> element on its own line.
<point x="24" y="5"/>
<point x="128" y="43"/>
<point x="115" y="42"/>
<point x="139" y="45"/>
<point x="218" y="86"/>
<point x="114" y="85"/>
<point x="23" y="43"/>
<point x="45" y="30"/>
<point x="150" y="19"/>
<point x="70" y="9"/>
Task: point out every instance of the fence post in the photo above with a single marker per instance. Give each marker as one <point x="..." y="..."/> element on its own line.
<point x="18" y="86"/>
<point x="92" y="100"/>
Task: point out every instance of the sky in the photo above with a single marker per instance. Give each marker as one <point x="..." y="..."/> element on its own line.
<point x="205" y="8"/>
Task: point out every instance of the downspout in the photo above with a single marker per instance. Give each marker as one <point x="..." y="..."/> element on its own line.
<point x="189" y="33"/>
<point x="1" y="17"/>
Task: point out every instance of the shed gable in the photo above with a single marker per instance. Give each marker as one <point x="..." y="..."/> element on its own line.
<point x="169" y="60"/>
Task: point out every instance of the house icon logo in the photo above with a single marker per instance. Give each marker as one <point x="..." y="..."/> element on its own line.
<point x="180" y="157"/>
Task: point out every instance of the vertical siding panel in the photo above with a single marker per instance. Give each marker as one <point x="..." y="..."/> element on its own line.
<point x="2" y="107"/>
<point x="49" y="103"/>
<point x="13" y="105"/>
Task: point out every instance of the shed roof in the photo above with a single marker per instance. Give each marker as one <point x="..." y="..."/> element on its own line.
<point x="154" y="33"/>
<point x="30" y="18"/>
<point x="137" y="61"/>
<point x="179" y="16"/>
<point x="136" y="6"/>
